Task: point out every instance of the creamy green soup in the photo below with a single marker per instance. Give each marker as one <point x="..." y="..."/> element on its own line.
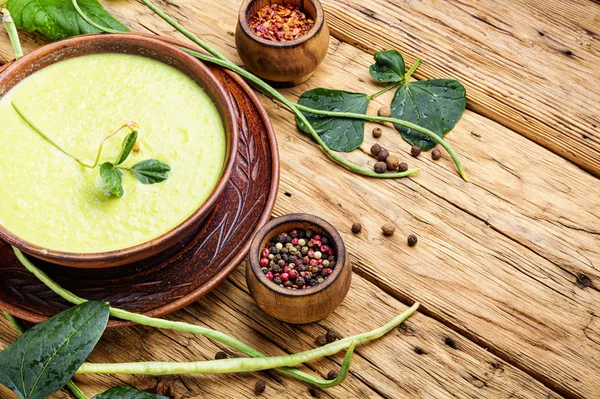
<point x="50" y="200"/>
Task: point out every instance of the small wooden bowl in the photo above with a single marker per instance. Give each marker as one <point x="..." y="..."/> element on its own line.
<point x="303" y="305"/>
<point x="156" y="49"/>
<point x="287" y="63"/>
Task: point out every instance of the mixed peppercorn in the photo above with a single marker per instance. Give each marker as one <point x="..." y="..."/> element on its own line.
<point x="298" y="259"/>
<point x="280" y="22"/>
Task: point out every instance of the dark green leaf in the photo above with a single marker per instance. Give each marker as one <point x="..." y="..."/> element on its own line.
<point x="388" y="67"/>
<point x="113" y="178"/>
<point x="339" y="134"/>
<point x="127" y="393"/>
<point x="43" y="360"/>
<point x="433" y="104"/>
<point x="58" y="19"/>
<point x="126" y="147"/>
<point x="151" y="171"/>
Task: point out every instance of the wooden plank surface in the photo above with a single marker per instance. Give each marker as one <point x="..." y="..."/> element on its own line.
<point x="531" y="65"/>
<point x="506" y="266"/>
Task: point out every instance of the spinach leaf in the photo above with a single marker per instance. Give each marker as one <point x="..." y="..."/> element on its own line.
<point x="388" y="67"/>
<point x="127" y="393"/>
<point x="43" y="360"/>
<point x="127" y="146"/>
<point x="113" y="178"/>
<point x="339" y="134"/>
<point x="150" y="171"/>
<point x="433" y="104"/>
<point x="58" y="19"/>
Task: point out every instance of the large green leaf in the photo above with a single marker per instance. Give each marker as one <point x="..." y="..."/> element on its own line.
<point x="127" y="147"/>
<point x="151" y="171"/>
<point x="43" y="360"/>
<point x="388" y="67"/>
<point x="113" y="178"/>
<point x="127" y="393"/>
<point x="339" y="134"/>
<point x="58" y="19"/>
<point x="433" y="104"/>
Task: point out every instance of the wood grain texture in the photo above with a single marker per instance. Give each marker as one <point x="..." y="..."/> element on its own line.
<point x="509" y="261"/>
<point x="446" y="365"/>
<point x="530" y="65"/>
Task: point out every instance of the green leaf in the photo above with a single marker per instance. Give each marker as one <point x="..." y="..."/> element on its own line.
<point x="388" y="67"/>
<point x="113" y="178"/>
<point x="127" y="393"/>
<point x="127" y="147"/>
<point x="151" y="171"/>
<point x="58" y="19"/>
<point x="433" y="104"/>
<point x="339" y="134"/>
<point x="43" y="360"/>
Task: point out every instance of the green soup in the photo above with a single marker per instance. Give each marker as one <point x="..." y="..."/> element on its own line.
<point x="49" y="200"/>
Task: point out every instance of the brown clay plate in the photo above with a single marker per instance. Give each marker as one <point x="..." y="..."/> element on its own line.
<point x="177" y="277"/>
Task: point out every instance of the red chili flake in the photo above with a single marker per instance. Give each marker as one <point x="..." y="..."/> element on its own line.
<point x="280" y="22"/>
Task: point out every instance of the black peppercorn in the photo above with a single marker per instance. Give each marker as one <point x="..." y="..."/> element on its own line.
<point x="356" y="228"/>
<point x="332" y="375"/>
<point x="380" y="167"/>
<point x="415" y="150"/>
<point x="436" y="154"/>
<point x="412" y="240"/>
<point x="260" y="387"/>
<point x="321" y="340"/>
<point x="377" y="132"/>
<point x="375" y="148"/>
<point x="277" y="280"/>
<point x="383" y="155"/>
<point x="300" y="282"/>
<point x="220" y="355"/>
<point x="314" y="393"/>
<point x="330" y="336"/>
<point x="402" y="167"/>
<point x="324" y="241"/>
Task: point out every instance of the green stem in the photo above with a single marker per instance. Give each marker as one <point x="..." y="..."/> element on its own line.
<point x="271" y="92"/>
<point x="91" y="22"/>
<point x="412" y="69"/>
<point x="11" y="29"/>
<point x="130" y="125"/>
<point x="71" y="385"/>
<point x="395" y="121"/>
<point x="385" y="89"/>
<point x="190" y="328"/>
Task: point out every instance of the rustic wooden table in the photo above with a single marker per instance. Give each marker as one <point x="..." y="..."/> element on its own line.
<point x="507" y="267"/>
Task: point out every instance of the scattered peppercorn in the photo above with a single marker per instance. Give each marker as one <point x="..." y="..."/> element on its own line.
<point x="415" y="150"/>
<point x="377" y="132"/>
<point x="375" y="148"/>
<point x="412" y="240"/>
<point x="220" y="355"/>
<point x="380" y="167"/>
<point x="331" y="336"/>
<point x="392" y="163"/>
<point x="356" y="228"/>
<point x="303" y="259"/>
<point x="321" y="340"/>
<point x="260" y="387"/>
<point x="388" y="229"/>
<point x="314" y="393"/>
<point x="436" y="154"/>
<point x="382" y="155"/>
<point x="384" y="111"/>
<point x="332" y="375"/>
<point x="402" y="167"/>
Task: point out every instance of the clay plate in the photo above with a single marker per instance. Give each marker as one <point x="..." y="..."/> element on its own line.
<point x="175" y="278"/>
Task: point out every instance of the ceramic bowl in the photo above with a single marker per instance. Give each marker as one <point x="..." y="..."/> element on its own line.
<point x="287" y="63"/>
<point x="146" y="47"/>
<point x="302" y="305"/>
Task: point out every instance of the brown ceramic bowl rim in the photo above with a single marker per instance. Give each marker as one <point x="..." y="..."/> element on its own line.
<point x="255" y="248"/>
<point x="203" y="73"/>
<point x="319" y="22"/>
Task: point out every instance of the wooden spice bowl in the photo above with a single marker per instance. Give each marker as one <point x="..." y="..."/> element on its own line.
<point x="286" y="63"/>
<point x="302" y="305"/>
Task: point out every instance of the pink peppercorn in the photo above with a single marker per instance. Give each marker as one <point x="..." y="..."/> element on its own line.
<point x="329" y="271"/>
<point x="269" y="275"/>
<point x="331" y="251"/>
<point x="317" y="237"/>
<point x="303" y="274"/>
<point x="306" y="259"/>
<point x="314" y="262"/>
<point x="324" y="248"/>
<point x="294" y="241"/>
<point x="265" y="252"/>
<point x="286" y="269"/>
<point x="285" y="276"/>
<point x="317" y="243"/>
<point x="293" y="273"/>
<point x="264" y="262"/>
<point x="311" y="253"/>
<point x="297" y="262"/>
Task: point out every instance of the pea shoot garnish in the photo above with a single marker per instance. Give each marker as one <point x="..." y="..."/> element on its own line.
<point x="149" y="171"/>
